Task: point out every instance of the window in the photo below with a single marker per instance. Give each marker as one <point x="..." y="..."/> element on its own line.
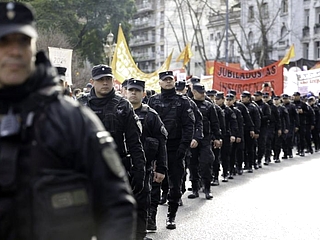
<point x="306" y="50"/>
<point x="162" y="32"/>
<point x="211" y="36"/>
<point x="250" y="38"/>
<point x="317" y="48"/>
<point x="306" y="17"/>
<point x="251" y="13"/>
<point x="161" y="16"/>
<point x="264" y="10"/>
<point x="231" y="47"/>
<point x="284" y="6"/>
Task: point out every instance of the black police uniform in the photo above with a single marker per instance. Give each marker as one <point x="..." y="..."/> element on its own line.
<point x="118" y="117"/>
<point x="154" y="137"/>
<point x="265" y="118"/>
<point x="239" y="135"/>
<point x="294" y="123"/>
<point x="272" y="132"/>
<point x="248" y="126"/>
<point x="176" y="113"/>
<point x="249" y="141"/>
<point x="285" y="124"/>
<point x="58" y="150"/>
<point x="202" y="157"/>
<point x="231" y="130"/>
<point x="310" y="123"/>
<point x="302" y="127"/>
<point x="315" y="131"/>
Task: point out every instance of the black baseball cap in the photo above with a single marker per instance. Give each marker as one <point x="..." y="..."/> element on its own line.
<point x="100" y="71"/>
<point x="245" y="94"/>
<point x="199" y="88"/>
<point x="285" y="96"/>
<point x="296" y="94"/>
<point x="17" y="18"/>
<point x="135" y="83"/>
<point x="180" y="85"/>
<point x="163" y="75"/>
<point x="211" y="92"/>
<point x="258" y="93"/>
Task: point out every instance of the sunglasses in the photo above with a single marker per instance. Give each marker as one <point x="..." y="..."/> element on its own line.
<point x="228" y="99"/>
<point x="266" y="97"/>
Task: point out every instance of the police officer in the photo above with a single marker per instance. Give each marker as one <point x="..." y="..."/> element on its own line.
<point x="202" y="157"/>
<point x="249" y="139"/>
<point x="60" y="177"/>
<point x="153" y="138"/>
<point x="285" y="123"/>
<point x="248" y="129"/>
<point x="176" y="113"/>
<point x="229" y="136"/>
<point x="293" y="127"/>
<point x="230" y="99"/>
<point x="274" y="129"/>
<point x="265" y="118"/>
<point x="302" y="110"/>
<point x="118" y="117"/>
<point x="180" y="87"/>
<point x="316" y="128"/>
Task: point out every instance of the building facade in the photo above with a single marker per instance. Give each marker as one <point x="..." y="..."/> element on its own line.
<point x="259" y="31"/>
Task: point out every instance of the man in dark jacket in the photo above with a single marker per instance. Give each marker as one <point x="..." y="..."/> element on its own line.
<point x="154" y="137"/>
<point x="60" y="177"/>
<point x="176" y="113"/>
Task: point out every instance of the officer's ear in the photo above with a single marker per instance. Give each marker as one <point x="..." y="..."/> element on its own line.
<point x="144" y="93"/>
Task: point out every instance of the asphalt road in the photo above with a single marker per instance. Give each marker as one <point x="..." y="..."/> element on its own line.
<point x="280" y="201"/>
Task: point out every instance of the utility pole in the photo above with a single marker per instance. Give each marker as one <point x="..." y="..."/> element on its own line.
<point x="227" y="30"/>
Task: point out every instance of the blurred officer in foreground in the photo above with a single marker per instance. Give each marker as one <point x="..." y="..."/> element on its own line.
<point x="176" y="113"/>
<point x="153" y="138"/>
<point x="60" y="177"/>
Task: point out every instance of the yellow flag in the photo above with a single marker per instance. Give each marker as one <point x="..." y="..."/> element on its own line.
<point x="185" y="55"/>
<point x="124" y="67"/>
<point x="290" y="54"/>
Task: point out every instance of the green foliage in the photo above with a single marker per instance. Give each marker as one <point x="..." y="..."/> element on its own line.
<point x="86" y="23"/>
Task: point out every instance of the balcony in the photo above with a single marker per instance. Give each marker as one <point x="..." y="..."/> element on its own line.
<point x="316" y="28"/>
<point x="140" y="57"/>
<point x="306" y="32"/>
<point x="142" y="41"/>
<point x="216" y="19"/>
<point x="144" y="7"/>
<point x="140" y="24"/>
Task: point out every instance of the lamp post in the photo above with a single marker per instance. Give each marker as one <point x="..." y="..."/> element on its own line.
<point x="109" y="47"/>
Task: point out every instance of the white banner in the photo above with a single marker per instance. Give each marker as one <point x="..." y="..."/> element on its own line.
<point x="309" y="81"/>
<point x="60" y="57"/>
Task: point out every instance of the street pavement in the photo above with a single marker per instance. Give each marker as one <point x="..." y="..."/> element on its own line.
<point x="279" y="201"/>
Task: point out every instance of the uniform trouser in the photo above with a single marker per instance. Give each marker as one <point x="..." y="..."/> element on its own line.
<point x="270" y="141"/>
<point x="287" y="144"/>
<point x="165" y="185"/>
<point x="143" y="204"/>
<point x="155" y="198"/>
<point x="315" y="138"/>
<point x="278" y="144"/>
<point x="236" y="157"/>
<point x="262" y="143"/>
<point x="176" y="171"/>
<point x="225" y="155"/>
<point x="301" y="138"/>
<point x="201" y="164"/>
<point x="308" y="137"/>
<point x="249" y="149"/>
<point x="216" y="162"/>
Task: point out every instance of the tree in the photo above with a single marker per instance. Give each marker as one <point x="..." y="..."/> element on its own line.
<point x="86" y="23"/>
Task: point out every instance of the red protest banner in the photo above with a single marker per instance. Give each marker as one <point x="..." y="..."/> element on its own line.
<point x="225" y="78"/>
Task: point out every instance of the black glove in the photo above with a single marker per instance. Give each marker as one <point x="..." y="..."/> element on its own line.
<point x="137" y="182"/>
<point x="181" y="151"/>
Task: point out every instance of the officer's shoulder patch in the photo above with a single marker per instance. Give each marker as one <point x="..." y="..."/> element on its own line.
<point x="164" y="131"/>
<point x="109" y="155"/>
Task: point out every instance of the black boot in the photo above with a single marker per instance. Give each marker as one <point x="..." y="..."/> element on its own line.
<point x="195" y="189"/>
<point x="151" y="223"/>
<point x="171" y="216"/>
<point x="163" y="199"/>
<point x="207" y="191"/>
